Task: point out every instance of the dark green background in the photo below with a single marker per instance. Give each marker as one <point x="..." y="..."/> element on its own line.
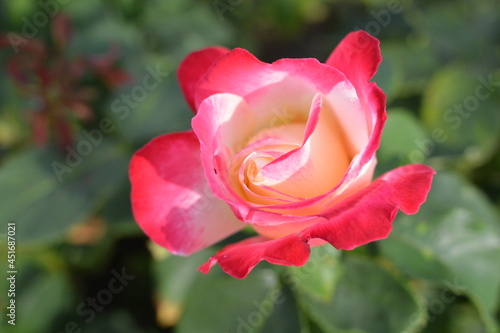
<point x="438" y="272"/>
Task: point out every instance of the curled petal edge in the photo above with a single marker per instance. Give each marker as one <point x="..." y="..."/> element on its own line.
<point x="192" y="69"/>
<point x="364" y="217"/>
<point x="177" y="212"/>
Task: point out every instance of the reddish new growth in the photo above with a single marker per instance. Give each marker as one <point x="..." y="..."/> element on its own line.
<point x="44" y="74"/>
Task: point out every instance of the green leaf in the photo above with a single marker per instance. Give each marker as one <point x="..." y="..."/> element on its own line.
<point x="45" y="202"/>
<point x="404" y="140"/>
<point x="162" y="110"/>
<point x="114" y="321"/>
<point x="318" y="276"/>
<point x="406" y="68"/>
<point x="220" y="303"/>
<point x="442" y="28"/>
<point x="42" y="294"/>
<point x="19" y="9"/>
<point x="465" y="319"/>
<point x="49" y="293"/>
<point x="174" y="277"/>
<point x="285" y="317"/>
<point x="389" y="77"/>
<point x="192" y="25"/>
<point x="460" y="317"/>
<point x="367" y="298"/>
<point x="459" y="104"/>
<point x="117" y="212"/>
<point x="453" y="240"/>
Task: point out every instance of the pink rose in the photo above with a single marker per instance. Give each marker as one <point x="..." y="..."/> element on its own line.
<point x="287" y="148"/>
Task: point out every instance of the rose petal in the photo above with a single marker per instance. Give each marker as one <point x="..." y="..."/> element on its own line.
<point x="358" y="175"/>
<point x="240" y="258"/>
<point x="362" y="218"/>
<point x="265" y="86"/>
<point x="193" y="67"/>
<point x="237" y="72"/>
<point x="360" y="171"/>
<point x="343" y="103"/>
<point x="278" y="90"/>
<point x="222" y="122"/>
<point x="171" y="200"/>
<point x="315" y="167"/>
<point x="262" y="148"/>
<point x="282" y="225"/>
<point x="357" y="56"/>
<point x="367" y="215"/>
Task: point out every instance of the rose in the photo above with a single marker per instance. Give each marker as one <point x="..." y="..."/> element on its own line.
<point x="287" y="148"/>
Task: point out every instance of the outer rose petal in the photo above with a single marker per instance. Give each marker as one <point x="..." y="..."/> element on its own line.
<point x="241" y="73"/>
<point x="357" y="56"/>
<point x="193" y="67"/>
<point x="220" y="118"/>
<point x="239" y="259"/>
<point x="362" y="218"/>
<point x="171" y="200"/>
<point x="367" y="215"/>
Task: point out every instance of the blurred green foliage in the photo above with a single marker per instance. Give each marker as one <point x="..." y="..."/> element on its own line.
<point x="438" y="272"/>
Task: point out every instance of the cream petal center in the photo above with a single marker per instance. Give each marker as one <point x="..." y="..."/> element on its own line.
<point x="307" y="168"/>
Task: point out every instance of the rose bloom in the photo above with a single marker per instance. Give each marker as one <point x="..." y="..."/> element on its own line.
<point x="287" y="148"/>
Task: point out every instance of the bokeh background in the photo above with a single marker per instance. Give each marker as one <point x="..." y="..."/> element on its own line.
<point x="80" y="91"/>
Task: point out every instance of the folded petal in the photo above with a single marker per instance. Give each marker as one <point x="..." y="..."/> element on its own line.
<point x="315" y="167"/>
<point x="193" y="67"/>
<point x="362" y="165"/>
<point x="359" y="106"/>
<point x="362" y="218"/>
<point x="171" y="200"/>
<point x="240" y="258"/>
<point x="284" y="87"/>
<point x="367" y="215"/>
<point x="223" y="120"/>
<point x="237" y="72"/>
<point x="222" y="124"/>
<point x="357" y="56"/>
<point x="287" y="88"/>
